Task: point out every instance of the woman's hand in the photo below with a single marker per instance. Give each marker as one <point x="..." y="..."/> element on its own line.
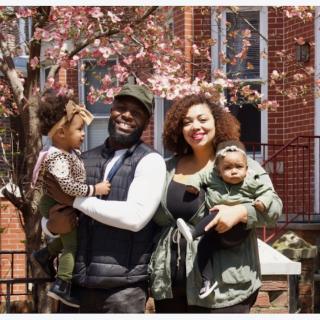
<point x="227" y="217"/>
<point x="55" y="192"/>
<point x="62" y="219"/>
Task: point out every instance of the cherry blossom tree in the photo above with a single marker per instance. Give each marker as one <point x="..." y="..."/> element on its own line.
<point x="146" y="50"/>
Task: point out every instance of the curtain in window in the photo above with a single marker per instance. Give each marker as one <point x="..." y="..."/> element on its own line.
<point x="236" y="24"/>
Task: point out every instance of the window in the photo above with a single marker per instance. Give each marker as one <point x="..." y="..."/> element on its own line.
<point x="161" y="107"/>
<point x="97" y="132"/>
<point x="253" y="122"/>
<point x="24" y="35"/>
<point x="44" y="72"/>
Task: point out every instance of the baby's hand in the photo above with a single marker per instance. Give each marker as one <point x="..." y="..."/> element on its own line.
<point x="259" y="205"/>
<point x="102" y="188"/>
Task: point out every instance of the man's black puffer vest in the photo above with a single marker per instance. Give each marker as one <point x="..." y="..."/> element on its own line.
<point x="109" y="257"/>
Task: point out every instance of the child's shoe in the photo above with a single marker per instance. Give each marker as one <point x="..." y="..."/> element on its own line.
<point x="207" y="287"/>
<point x="44" y="260"/>
<point x="60" y="290"/>
<point x="185" y="230"/>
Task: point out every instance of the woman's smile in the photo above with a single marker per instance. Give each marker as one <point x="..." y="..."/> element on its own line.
<point x="198" y="136"/>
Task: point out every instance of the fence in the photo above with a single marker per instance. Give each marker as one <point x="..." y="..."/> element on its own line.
<point x="294" y="170"/>
<point x="11" y="285"/>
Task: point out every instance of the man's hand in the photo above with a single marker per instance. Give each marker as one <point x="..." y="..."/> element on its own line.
<point x="227" y="217"/>
<point x="55" y="192"/>
<point x="62" y="219"/>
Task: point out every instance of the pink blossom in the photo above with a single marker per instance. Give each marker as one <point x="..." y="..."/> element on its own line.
<point x="141" y="54"/>
<point x="298" y="77"/>
<point x="73" y="63"/>
<point x="242" y="54"/>
<point x="96" y="42"/>
<point x="106" y="80"/>
<point x="246" y="33"/>
<point x="195" y="50"/>
<point x="34" y="62"/>
<point x="275" y="75"/>
<point x="128" y="60"/>
<point x="37" y="34"/>
<point x="118" y="46"/>
<point x="106" y="52"/>
<point x="95" y="12"/>
<point x="309" y="70"/>
<point x="114" y="18"/>
<point x="120" y="72"/>
<point x="128" y="30"/>
<point x="50" y="82"/>
<point x="268" y="105"/>
<point x="23" y="12"/>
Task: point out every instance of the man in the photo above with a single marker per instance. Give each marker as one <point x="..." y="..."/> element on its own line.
<point x="115" y="236"/>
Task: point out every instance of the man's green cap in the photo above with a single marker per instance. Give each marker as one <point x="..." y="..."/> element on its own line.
<point x="141" y="93"/>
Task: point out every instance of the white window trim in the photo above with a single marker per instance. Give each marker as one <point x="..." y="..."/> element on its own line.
<point x="263" y="62"/>
<point x="158" y="124"/>
<point x="43" y="76"/>
<point x="81" y="91"/>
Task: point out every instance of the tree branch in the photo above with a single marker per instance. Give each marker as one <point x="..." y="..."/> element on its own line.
<point x="249" y="24"/>
<point x="16" y="201"/>
<point x="108" y="33"/>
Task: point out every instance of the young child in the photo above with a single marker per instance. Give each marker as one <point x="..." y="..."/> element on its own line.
<point x="230" y="183"/>
<point x="63" y="121"/>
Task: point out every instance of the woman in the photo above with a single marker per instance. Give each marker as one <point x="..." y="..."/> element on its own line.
<point x="193" y="128"/>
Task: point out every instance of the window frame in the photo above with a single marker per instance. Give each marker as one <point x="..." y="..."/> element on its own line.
<point x="81" y="90"/>
<point x="221" y="46"/>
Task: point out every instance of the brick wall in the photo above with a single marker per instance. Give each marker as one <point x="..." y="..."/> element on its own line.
<point x="292" y="117"/>
<point x="11" y="238"/>
<point x="183" y="28"/>
<point x="202" y="36"/>
<point x="273" y="296"/>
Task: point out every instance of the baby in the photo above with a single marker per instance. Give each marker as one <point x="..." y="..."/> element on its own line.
<point x="230" y="183"/>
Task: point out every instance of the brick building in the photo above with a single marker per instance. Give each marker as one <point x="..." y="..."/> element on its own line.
<point x="294" y="167"/>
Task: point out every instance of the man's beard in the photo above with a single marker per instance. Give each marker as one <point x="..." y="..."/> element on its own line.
<point x="125" y="140"/>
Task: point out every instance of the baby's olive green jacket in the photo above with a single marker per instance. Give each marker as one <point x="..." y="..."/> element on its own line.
<point x="237" y="269"/>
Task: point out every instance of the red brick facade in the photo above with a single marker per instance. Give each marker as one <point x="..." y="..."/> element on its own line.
<point x="292" y="117"/>
<point x="11" y="238"/>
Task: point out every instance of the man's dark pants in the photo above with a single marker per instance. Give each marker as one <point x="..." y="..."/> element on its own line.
<point x="126" y="300"/>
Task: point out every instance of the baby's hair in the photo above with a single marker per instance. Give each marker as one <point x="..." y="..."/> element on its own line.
<point x="228" y="146"/>
<point x="51" y="109"/>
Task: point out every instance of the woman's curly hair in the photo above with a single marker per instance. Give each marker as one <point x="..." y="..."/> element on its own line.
<point x="227" y="127"/>
<point x="51" y="109"/>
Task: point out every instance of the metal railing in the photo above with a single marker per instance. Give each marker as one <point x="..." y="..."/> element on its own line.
<point x="294" y="170"/>
<point x="10" y="279"/>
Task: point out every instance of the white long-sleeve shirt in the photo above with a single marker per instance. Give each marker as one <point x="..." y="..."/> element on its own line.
<point x="144" y="196"/>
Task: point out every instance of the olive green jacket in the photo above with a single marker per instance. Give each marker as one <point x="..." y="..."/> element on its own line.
<point x="219" y="192"/>
<point x="237" y="269"/>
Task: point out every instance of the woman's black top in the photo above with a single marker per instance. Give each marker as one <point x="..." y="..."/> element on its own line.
<point x="181" y="204"/>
